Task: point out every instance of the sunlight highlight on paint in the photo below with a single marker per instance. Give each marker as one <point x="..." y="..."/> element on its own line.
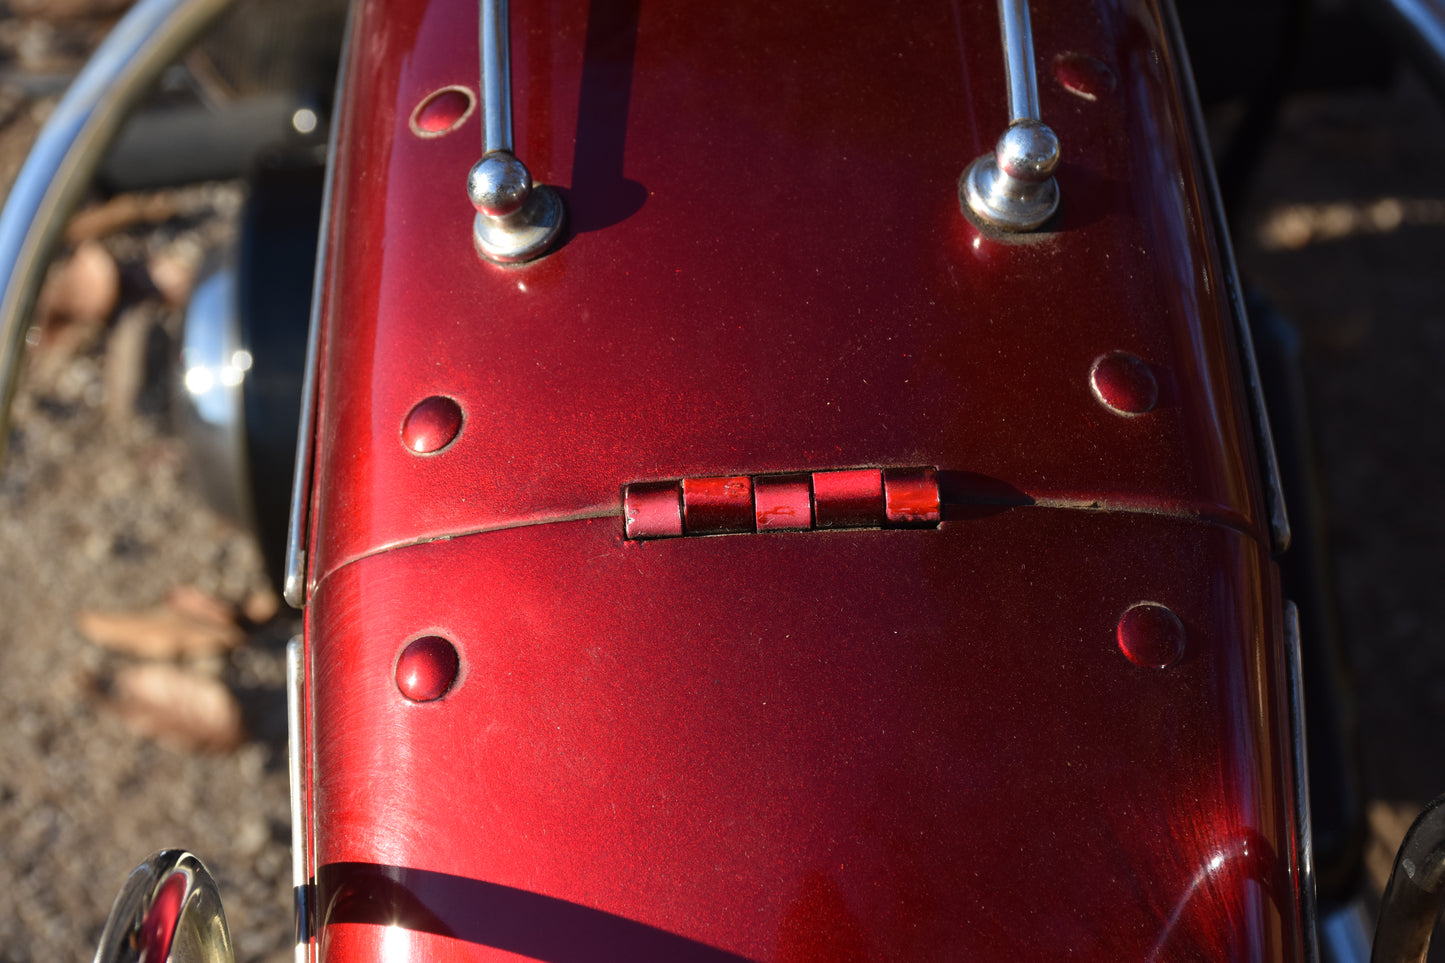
<point x="395" y="942"/>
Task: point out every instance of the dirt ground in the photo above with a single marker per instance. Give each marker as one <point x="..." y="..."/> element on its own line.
<point x="100" y="512"/>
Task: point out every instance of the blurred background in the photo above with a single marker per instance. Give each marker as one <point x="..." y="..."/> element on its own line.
<point x="141" y="642"/>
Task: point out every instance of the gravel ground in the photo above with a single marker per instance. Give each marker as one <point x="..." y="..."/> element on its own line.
<point x="99" y="511"/>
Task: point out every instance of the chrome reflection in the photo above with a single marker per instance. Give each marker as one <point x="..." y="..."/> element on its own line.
<point x="1345" y="934"/>
<point x="301" y="884"/>
<point x="168" y="909"/>
<point x="214" y="366"/>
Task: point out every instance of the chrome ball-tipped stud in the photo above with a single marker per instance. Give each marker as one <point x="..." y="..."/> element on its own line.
<point x="499" y="184"/>
<point x="516" y="219"/>
<point x="1013" y="189"/>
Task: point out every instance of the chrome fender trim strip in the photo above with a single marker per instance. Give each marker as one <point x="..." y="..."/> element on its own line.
<point x="294" y="590"/>
<point x="1264" y="437"/>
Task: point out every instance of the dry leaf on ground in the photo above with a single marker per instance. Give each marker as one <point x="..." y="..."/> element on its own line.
<point x="1387" y="823"/>
<point x="179" y="707"/>
<point x="173" y="278"/>
<point x="261" y="606"/>
<point x="119" y="213"/>
<point x="188" y="624"/>
<point x="193" y="601"/>
<point x="78" y="297"/>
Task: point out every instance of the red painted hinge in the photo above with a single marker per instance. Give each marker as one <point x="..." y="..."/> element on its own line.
<point x="853" y="498"/>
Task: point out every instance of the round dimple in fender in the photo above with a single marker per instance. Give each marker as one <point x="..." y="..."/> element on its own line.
<point x="442" y="111"/>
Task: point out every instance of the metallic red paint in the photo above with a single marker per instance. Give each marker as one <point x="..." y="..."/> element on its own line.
<point x="848" y="499"/>
<point x="158" y="929"/>
<point x="778" y="282"/>
<point x="713" y="506"/>
<point x="911" y="497"/>
<point x="925" y="744"/>
<point x="783" y="503"/>
<point x="900" y="744"/>
<point x="653" y="509"/>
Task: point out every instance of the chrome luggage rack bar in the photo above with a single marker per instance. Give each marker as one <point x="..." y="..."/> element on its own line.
<point x="1013" y="188"/>
<point x="516" y="219"/>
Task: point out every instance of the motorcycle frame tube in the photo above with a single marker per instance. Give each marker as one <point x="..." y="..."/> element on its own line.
<point x="70" y="147"/>
<point x="294" y="590"/>
<point x="1264" y="437"/>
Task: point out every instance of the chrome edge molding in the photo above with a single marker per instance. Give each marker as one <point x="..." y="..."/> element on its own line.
<point x="516" y="220"/>
<point x="294" y="591"/>
<point x="70" y="146"/>
<point x="192" y="927"/>
<point x="301" y="885"/>
<point x="1264" y="438"/>
<point x="1304" y="831"/>
<point x="1013" y="188"/>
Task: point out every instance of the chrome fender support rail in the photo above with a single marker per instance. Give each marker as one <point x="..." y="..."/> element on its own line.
<point x="1299" y="757"/>
<point x="64" y="157"/>
<point x="302" y="886"/>
<point x="294" y="589"/>
<point x="1415" y="893"/>
<point x="1013" y="188"/>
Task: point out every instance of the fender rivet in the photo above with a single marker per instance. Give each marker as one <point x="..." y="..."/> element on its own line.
<point x="427" y="668"/>
<point x="1123" y="384"/>
<point x="432" y="425"/>
<point x="1151" y="636"/>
